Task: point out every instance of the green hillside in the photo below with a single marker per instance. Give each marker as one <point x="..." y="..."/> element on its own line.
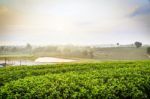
<point x="121" y="53"/>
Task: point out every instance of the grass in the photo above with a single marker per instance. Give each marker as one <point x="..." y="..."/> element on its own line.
<point x="121" y="53"/>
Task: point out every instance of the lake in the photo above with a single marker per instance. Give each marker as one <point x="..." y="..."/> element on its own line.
<point x="38" y="61"/>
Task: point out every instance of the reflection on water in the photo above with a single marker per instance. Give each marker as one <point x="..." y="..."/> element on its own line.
<point x="22" y="62"/>
<point x="38" y="61"/>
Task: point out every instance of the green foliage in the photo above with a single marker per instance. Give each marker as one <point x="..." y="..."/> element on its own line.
<point x="138" y="44"/>
<point x="148" y="50"/>
<point x="108" y="80"/>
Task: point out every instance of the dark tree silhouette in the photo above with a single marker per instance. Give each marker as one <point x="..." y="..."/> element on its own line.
<point x="138" y="44"/>
<point x="117" y="44"/>
<point x="148" y="50"/>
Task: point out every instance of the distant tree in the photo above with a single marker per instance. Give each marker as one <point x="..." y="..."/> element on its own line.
<point x="85" y="53"/>
<point x="14" y="49"/>
<point x="117" y="44"/>
<point x="2" y="48"/>
<point x="138" y="44"/>
<point x="91" y="54"/>
<point x="28" y="46"/>
<point x="148" y="50"/>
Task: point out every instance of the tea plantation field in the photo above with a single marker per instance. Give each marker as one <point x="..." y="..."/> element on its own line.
<point x="105" y="80"/>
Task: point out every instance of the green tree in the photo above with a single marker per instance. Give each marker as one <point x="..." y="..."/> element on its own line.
<point x="148" y="50"/>
<point x="138" y="44"/>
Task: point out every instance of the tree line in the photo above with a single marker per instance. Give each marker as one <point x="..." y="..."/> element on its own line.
<point x="68" y="50"/>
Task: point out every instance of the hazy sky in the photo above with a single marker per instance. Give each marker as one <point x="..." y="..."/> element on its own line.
<point x="74" y="21"/>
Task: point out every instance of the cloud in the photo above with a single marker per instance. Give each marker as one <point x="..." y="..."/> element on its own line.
<point x="140" y="16"/>
<point x="144" y="22"/>
<point x="141" y="10"/>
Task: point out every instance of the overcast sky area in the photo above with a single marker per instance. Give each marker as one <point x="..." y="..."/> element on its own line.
<point x="74" y="21"/>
